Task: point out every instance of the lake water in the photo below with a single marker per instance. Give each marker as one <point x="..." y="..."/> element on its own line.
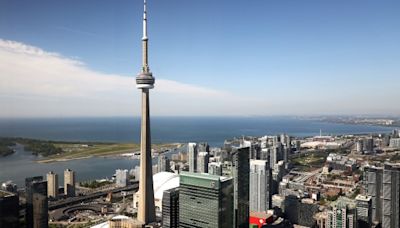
<point x="213" y="130"/>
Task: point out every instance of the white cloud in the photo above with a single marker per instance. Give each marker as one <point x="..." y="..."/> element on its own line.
<point x="36" y="83"/>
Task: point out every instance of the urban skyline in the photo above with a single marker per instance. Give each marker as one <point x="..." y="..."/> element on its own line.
<point x="348" y="180"/>
<point x="298" y="53"/>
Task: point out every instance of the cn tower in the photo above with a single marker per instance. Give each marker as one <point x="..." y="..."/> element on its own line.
<point x="145" y="82"/>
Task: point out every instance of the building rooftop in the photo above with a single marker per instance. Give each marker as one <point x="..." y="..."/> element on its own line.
<point x="342" y="202"/>
<point x="363" y="198"/>
<point x="204" y="180"/>
<point x="258" y="162"/>
<point x="204" y="176"/>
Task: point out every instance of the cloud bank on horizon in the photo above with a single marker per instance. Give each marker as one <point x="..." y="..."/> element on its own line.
<point x="36" y="83"/>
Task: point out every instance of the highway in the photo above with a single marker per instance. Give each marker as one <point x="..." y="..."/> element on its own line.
<point x="80" y="199"/>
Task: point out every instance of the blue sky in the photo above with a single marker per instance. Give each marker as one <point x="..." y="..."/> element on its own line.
<point x="267" y="57"/>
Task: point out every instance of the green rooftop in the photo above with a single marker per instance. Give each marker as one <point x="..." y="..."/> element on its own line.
<point x="202" y="180"/>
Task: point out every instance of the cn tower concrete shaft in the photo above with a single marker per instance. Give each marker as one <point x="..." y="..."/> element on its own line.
<point x="146" y="212"/>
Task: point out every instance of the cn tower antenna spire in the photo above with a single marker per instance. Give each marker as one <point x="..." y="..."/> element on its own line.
<point x="145" y="40"/>
<point x="144" y="20"/>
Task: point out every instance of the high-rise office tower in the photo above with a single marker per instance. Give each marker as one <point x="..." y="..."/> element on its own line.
<point x="170" y="208"/>
<point x="192" y="154"/>
<point x="395" y="133"/>
<point x="69" y="183"/>
<point x="203" y="147"/>
<point x="277" y="174"/>
<point x="364" y="211"/>
<point x="254" y="148"/>
<point x="215" y="168"/>
<point x="359" y="146"/>
<point x="122" y="177"/>
<point x="36" y="214"/>
<point x="260" y="184"/>
<point x="52" y="185"/>
<point x="275" y="154"/>
<point x="202" y="162"/>
<point x="265" y="153"/>
<point x="205" y="201"/>
<point x="298" y="145"/>
<point x="241" y="183"/>
<point x="9" y="210"/>
<point x="391" y="196"/>
<point x="40" y="210"/>
<point x="163" y="163"/>
<point x="285" y="140"/>
<point x="145" y="82"/>
<point x="286" y="153"/>
<point x="368" y="145"/>
<point x="373" y="187"/>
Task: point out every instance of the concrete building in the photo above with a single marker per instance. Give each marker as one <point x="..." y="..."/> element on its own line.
<point x="298" y="145"/>
<point x="391" y="196"/>
<point x="9" y="210"/>
<point x="69" y="183"/>
<point x="192" y="154"/>
<point x="321" y="219"/>
<point x="278" y="201"/>
<point x="36" y="214"/>
<point x="396" y="133"/>
<point x="260" y="183"/>
<point x="274" y="155"/>
<point x="364" y="211"/>
<point x="203" y="147"/>
<point x="205" y="201"/>
<point x="394" y="143"/>
<point x="121" y="177"/>
<point x="277" y="174"/>
<point x="241" y="183"/>
<point x="170" y="208"/>
<point x="202" y="162"/>
<point x="215" y="168"/>
<point x="52" y="185"/>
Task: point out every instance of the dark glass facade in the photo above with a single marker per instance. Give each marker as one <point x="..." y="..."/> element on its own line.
<point x="170" y="208"/>
<point x="9" y="210"/>
<point x="205" y="201"/>
<point x="241" y="178"/>
<point x="36" y="215"/>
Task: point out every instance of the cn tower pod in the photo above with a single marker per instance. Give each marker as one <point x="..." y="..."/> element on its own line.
<point x="145" y="80"/>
